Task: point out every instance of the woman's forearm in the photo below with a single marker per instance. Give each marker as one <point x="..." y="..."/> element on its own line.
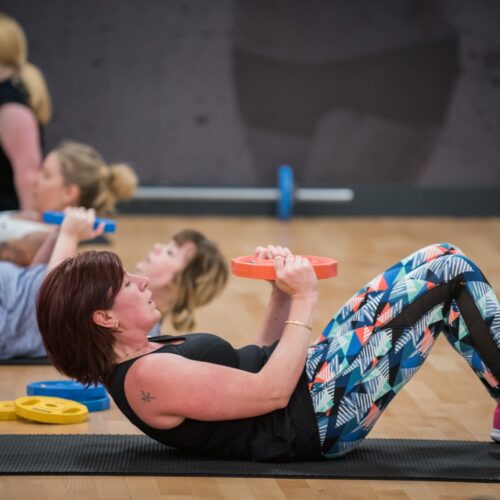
<point x="43" y="254"/>
<point x="282" y="372"/>
<point x="277" y="312"/>
<point x="27" y="250"/>
<point x="66" y="246"/>
<point x="77" y="225"/>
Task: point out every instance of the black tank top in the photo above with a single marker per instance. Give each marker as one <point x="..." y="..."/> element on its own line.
<point x="282" y="435"/>
<point x="11" y="91"/>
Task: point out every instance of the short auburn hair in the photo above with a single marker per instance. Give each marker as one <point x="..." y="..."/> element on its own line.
<point x="67" y="299"/>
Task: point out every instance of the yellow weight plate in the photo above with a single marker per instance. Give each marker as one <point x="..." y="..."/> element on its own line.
<point x="7" y="410"/>
<point x="50" y="410"/>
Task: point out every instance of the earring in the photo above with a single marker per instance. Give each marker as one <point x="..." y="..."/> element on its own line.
<point x="116" y="325"/>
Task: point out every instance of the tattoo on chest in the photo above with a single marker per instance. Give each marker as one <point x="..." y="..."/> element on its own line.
<point x="147" y="397"/>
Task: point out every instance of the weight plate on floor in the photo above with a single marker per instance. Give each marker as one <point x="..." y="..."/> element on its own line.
<point x="50" y="410"/>
<point x="99" y="404"/>
<point x="7" y="410"/>
<point x="66" y="389"/>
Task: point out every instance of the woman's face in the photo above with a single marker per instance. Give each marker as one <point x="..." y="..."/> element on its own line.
<point x="133" y="306"/>
<point x="164" y="261"/>
<point x="51" y="193"/>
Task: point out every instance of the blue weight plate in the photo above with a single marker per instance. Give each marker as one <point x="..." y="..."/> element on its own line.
<point x="51" y="217"/>
<point x="98" y="404"/>
<point x="66" y="389"/>
<point x="285" y="188"/>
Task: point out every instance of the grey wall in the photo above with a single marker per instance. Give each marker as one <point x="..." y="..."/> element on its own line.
<point x="203" y="92"/>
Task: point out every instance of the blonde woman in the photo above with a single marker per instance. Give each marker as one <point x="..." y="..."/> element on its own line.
<point x="184" y="274"/>
<point x="73" y="174"/>
<point x="24" y="107"/>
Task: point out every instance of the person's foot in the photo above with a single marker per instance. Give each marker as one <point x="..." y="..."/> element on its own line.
<point x="495" y="433"/>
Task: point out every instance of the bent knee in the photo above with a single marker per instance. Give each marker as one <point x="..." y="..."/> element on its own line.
<point x="445" y="247"/>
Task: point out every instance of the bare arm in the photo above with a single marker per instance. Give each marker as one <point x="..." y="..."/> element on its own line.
<point x="77" y="225"/>
<point x="180" y="388"/>
<point x="19" y="136"/>
<point x="278" y="307"/>
<point x="45" y="250"/>
<point x="277" y="312"/>
<point x="24" y="251"/>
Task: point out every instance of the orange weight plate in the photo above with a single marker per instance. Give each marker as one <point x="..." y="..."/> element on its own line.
<point x="263" y="269"/>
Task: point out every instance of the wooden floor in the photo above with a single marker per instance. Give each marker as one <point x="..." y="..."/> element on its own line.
<point x="443" y="401"/>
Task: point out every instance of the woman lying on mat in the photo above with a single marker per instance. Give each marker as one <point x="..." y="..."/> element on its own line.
<point x="185" y="273"/>
<point x="279" y="398"/>
<point x="73" y="174"/>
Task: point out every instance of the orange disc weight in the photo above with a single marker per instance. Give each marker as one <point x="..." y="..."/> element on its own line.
<point x="263" y="269"/>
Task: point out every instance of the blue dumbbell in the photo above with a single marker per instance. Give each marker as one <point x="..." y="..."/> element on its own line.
<point x="57" y="217"/>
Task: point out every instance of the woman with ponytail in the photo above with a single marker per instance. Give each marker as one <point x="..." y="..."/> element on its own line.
<point x="24" y="107"/>
<point x="73" y="174"/>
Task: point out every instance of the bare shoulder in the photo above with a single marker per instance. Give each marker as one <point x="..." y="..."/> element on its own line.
<point x="157" y="371"/>
<point x="147" y="385"/>
<point x="15" y="113"/>
<point x="154" y="364"/>
<point x="18" y="127"/>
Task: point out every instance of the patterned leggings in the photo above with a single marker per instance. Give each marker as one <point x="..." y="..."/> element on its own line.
<point x="381" y="337"/>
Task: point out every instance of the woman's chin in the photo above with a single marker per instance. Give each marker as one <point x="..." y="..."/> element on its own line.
<point x="138" y="269"/>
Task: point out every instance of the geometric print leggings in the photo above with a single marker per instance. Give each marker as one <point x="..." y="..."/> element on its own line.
<point x="383" y="334"/>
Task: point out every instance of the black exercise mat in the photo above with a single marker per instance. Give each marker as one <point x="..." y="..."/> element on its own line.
<point x="137" y="455"/>
<point x="25" y="361"/>
<point x="98" y="240"/>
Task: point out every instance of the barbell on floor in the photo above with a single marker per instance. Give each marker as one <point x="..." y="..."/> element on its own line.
<point x="285" y="194"/>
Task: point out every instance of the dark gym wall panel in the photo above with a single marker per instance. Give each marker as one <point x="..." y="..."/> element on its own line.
<point x="218" y="93"/>
<point x="146" y="81"/>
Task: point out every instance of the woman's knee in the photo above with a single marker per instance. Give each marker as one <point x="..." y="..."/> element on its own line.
<point x="445" y="247"/>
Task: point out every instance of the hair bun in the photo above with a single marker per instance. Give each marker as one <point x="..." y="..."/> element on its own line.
<point x="122" y="181"/>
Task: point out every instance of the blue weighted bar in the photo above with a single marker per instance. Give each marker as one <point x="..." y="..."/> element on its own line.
<point x="286" y="192"/>
<point x="51" y="217"/>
